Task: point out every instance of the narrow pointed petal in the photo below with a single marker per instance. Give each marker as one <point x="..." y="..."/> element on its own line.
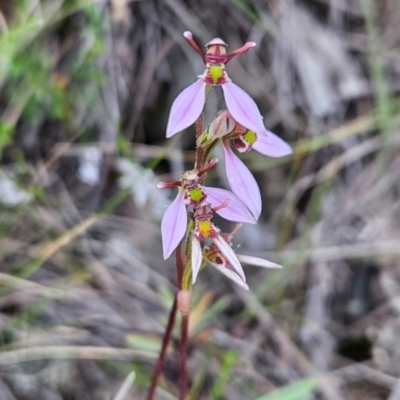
<point x="272" y="146"/>
<point x="246" y="47"/>
<point x="173" y="225"/>
<point x="197" y="258"/>
<point x="243" y="108"/>
<point x="232" y="275"/>
<point x="230" y="255"/>
<point x="242" y="182"/>
<point x="163" y="185"/>
<point x="234" y="211"/>
<point x="258" y="262"/>
<point x="189" y="37"/>
<point x="186" y="108"/>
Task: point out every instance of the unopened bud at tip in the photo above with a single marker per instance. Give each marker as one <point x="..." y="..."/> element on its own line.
<point x="188" y="35"/>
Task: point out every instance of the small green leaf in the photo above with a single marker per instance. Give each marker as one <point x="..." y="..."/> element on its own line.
<point x="227" y="365"/>
<point x="300" y="390"/>
<point x="6" y="133"/>
<point x="146" y="343"/>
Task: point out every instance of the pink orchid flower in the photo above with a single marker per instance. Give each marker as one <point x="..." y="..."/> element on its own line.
<point x="189" y="104"/>
<point x="192" y="194"/>
<point x="240" y="179"/>
<point x="218" y="259"/>
<point x="205" y="229"/>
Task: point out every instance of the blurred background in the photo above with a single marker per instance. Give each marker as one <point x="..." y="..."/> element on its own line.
<point x="85" y="92"/>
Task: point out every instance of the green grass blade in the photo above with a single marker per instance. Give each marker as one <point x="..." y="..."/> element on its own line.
<point x="300" y="390"/>
<point x="226" y="368"/>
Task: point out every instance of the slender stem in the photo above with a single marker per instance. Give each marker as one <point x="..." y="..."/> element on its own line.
<point x="179" y="265"/>
<point x="161" y="357"/>
<point x="183" y="382"/>
<point x="199" y="150"/>
<point x="200" y="156"/>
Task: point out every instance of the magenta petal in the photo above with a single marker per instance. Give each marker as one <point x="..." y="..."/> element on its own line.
<point x="227" y="251"/>
<point x="186" y="108"/>
<point x="243" y="108"/>
<point x="272" y="145"/>
<point x="173" y="225"/>
<point x="234" y="211"/>
<point x="197" y="258"/>
<point x="242" y="182"/>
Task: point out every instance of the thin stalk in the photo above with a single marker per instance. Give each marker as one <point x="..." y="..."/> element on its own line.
<point x="161" y="357"/>
<point x="200" y="156"/>
<point x="199" y="164"/>
<point x="179" y="266"/>
<point x="183" y="380"/>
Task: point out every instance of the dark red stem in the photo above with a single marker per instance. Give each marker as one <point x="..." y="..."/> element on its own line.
<point x="161" y="357"/>
<point x="183" y="382"/>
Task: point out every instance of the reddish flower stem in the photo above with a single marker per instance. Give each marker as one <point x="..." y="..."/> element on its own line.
<point x="161" y="357"/>
<point x="180" y="268"/>
<point x="183" y="380"/>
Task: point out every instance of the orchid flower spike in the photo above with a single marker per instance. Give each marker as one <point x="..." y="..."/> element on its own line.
<point x="191" y="195"/>
<point x="189" y="104"/>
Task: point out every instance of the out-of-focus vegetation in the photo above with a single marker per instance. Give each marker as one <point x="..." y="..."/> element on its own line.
<point x="85" y="91"/>
<point x="36" y="81"/>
